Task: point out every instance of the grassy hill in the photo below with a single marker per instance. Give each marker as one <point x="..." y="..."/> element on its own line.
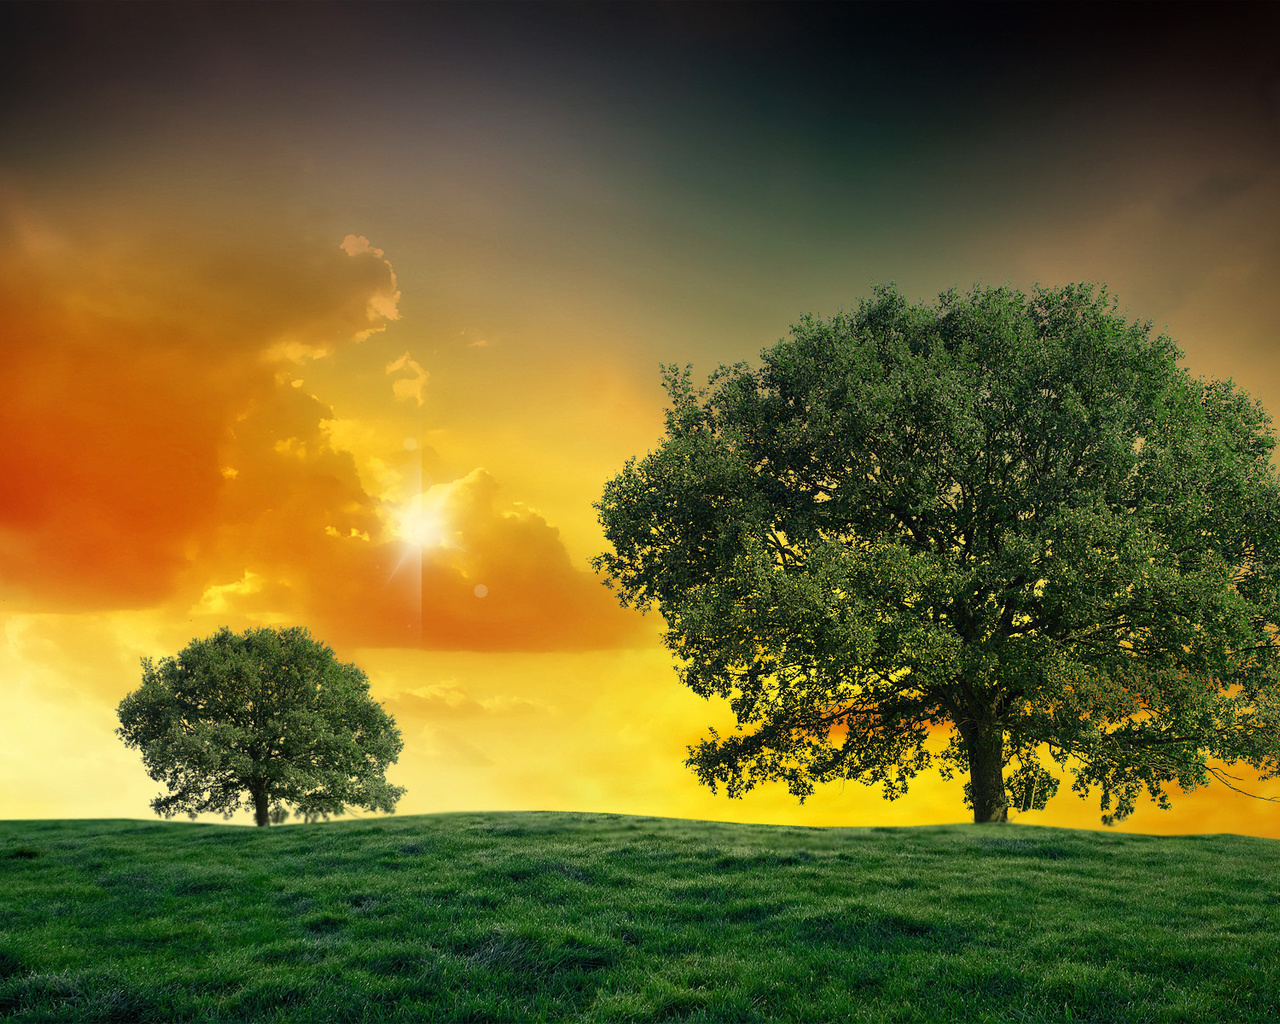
<point x="541" y="916"/>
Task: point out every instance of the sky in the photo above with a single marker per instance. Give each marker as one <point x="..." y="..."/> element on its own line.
<point x="341" y="315"/>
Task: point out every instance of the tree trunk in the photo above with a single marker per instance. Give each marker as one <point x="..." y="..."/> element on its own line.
<point x="984" y="743"/>
<point x="260" y="802"/>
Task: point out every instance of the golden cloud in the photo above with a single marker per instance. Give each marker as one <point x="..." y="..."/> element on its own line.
<point x="449" y="699"/>
<point x="123" y="386"/>
<point x="408" y="388"/>
<point x="157" y="453"/>
<point x="383" y="304"/>
<point x="476" y="576"/>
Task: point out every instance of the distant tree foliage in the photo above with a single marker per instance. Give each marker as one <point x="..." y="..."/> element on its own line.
<point x="1014" y="515"/>
<point x="266" y="718"/>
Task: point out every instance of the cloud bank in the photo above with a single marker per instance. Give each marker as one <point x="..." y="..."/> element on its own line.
<point x="162" y="449"/>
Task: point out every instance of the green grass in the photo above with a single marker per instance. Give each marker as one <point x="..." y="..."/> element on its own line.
<point x="577" y="917"/>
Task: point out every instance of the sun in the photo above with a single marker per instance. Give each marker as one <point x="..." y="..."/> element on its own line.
<point x="421" y="524"/>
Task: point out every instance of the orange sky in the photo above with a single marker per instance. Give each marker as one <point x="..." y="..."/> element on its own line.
<point x="350" y="332"/>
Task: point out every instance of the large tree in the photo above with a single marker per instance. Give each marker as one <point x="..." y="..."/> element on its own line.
<point x="1014" y="516"/>
<point x="269" y="718"/>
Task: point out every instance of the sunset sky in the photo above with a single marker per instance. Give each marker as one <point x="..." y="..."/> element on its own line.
<point x="341" y="315"/>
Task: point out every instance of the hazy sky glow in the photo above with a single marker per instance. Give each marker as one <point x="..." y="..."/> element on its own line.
<point x="341" y="315"/>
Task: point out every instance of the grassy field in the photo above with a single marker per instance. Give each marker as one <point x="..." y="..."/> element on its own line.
<point x="577" y="917"/>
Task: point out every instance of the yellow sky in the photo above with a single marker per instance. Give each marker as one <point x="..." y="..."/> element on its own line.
<point x="351" y="338"/>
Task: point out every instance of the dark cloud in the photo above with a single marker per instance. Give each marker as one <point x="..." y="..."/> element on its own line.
<point x="1211" y="193"/>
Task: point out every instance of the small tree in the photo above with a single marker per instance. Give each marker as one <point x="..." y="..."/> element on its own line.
<point x="266" y="718"/>
<point x="1015" y="516"/>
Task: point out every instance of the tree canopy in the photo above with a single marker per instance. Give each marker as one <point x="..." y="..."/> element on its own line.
<point x="266" y="718"/>
<point x="1014" y="519"/>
